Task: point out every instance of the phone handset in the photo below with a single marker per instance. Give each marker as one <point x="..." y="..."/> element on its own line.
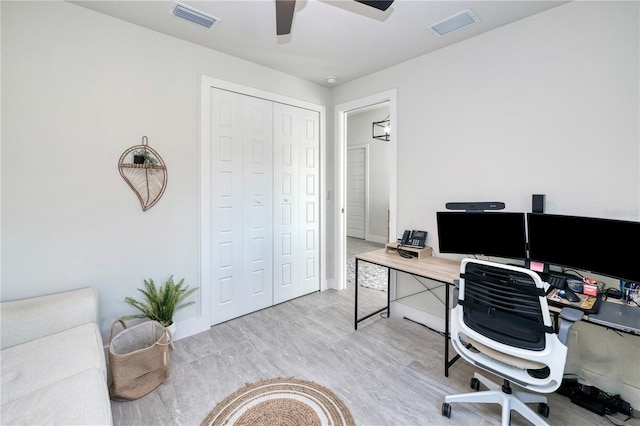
<point x="405" y="238"/>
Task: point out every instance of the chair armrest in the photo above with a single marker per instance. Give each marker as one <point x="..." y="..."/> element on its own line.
<point x="28" y="319"/>
<point x="569" y="317"/>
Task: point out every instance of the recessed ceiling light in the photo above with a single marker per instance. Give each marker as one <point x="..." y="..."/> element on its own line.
<point x="331" y="80"/>
<point x="454" y="23"/>
<point x="193" y="15"/>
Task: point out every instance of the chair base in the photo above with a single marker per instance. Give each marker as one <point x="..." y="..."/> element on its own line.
<point x="516" y="400"/>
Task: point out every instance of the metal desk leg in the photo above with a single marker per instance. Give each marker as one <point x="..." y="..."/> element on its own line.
<point x="386" y="308"/>
<point x="356" y="308"/>
<point x="447" y="334"/>
<point x="446" y="331"/>
<point x="388" y="292"/>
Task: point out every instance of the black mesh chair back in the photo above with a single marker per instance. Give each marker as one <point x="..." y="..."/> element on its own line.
<point x="505" y="306"/>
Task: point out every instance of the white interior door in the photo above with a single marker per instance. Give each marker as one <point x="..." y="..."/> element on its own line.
<point x="296" y="213"/>
<point x="241" y="204"/>
<point x="356" y="191"/>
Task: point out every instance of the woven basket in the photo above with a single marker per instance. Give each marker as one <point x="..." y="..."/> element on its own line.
<point x="139" y="359"/>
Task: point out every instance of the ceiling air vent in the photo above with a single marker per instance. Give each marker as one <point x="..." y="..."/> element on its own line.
<point x="454" y="23"/>
<point x="193" y="15"/>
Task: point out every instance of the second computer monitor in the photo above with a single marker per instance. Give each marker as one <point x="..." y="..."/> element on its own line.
<point x="604" y="246"/>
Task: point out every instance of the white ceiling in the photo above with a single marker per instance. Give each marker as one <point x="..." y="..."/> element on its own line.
<point x="340" y="38"/>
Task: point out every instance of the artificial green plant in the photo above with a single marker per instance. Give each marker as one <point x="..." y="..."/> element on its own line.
<point x="161" y="303"/>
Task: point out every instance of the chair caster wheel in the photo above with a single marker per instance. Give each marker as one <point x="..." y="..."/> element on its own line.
<point x="446" y="410"/>
<point x="474" y="384"/>
<point x="543" y="409"/>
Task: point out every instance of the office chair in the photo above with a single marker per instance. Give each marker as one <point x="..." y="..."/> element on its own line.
<point x="501" y="323"/>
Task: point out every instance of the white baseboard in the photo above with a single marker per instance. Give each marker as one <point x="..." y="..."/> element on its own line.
<point x="400" y="310"/>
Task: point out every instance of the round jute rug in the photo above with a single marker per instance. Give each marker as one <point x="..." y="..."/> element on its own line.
<point x="281" y="402"/>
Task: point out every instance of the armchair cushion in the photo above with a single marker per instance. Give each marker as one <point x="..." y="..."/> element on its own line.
<point x="81" y="399"/>
<point x="41" y="362"/>
<point x="28" y="319"/>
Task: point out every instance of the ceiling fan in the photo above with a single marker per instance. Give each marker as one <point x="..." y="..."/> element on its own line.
<point x="285" y="8"/>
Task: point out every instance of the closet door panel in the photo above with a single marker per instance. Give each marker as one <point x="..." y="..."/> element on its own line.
<point x="309" y="200"/>
<point x="258" y="203"/>
<point x="241" y="204"/>
<point x="285" y="163"/>
<point x="226" y="205"/>
<point x="296" y="224"/>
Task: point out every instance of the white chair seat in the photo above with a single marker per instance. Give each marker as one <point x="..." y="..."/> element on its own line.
<point x="521" y="363"/>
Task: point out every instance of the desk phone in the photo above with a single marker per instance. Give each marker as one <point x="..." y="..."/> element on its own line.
<point x="414" y="238"/>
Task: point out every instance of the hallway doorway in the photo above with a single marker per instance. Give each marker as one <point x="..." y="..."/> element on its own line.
<point x="382" y="215"/>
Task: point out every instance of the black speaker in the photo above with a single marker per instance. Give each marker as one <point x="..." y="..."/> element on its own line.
<point x="537" y="203"/>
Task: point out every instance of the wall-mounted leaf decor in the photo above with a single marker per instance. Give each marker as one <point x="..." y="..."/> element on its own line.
<point x="145" y="172"/>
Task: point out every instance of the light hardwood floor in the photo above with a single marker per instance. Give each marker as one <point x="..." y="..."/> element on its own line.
<point x="389" y="372"/>
<point x="357" y="245"/>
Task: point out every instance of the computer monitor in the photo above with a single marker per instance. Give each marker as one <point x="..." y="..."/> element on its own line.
<point x="603" y="246"/>
<point x="500" y="234"/>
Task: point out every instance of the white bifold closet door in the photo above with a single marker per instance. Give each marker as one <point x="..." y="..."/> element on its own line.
<point x="264" y="203"/>
<point x="242" y="204"/>
<point x="296" y="213"/>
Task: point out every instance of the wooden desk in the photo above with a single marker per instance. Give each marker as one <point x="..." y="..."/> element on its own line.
<point x="434" y="268"/>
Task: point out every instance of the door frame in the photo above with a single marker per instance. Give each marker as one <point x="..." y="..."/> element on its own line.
<point x="203" y="322"/>
<point x="340" y="150"/>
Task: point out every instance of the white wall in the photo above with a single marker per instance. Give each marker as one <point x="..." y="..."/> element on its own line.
<point x="548" y="104"/>
<point x="78" y="89"/>
<point x="359" y="133"/>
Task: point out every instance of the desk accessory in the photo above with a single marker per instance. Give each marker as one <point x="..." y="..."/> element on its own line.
<point x="568" y="294"/>
<point x="618" y="316"/>
<point x="587" y="304"/>
<point x="537" y="203"/>
<point x="591" y="290"/>
<point x="594" y="399"/>
<point x="576" y="285"/>
<point x="630" y="293"/>
<point x="419" y="252"/>
<point x="476" y="206"/>
<point x="414" y="238"/>
<point x="613" y="293"/>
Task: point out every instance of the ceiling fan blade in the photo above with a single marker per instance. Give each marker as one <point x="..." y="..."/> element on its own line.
<point x="284" y="16"/>
<point x="378" y="4"/>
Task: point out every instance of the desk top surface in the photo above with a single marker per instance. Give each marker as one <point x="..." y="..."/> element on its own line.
<point x="436" y="268"/>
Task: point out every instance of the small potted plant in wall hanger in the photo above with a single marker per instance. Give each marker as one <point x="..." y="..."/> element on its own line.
<point x="161" y="303"/>
<point x="142" y="156"/>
